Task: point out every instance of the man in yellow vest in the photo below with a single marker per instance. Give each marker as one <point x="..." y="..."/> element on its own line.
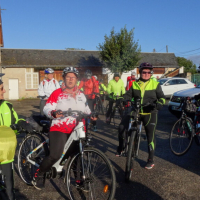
<point x="7" y="149"/>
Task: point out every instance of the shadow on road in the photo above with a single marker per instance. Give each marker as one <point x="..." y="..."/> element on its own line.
<point x="135" y="190"/>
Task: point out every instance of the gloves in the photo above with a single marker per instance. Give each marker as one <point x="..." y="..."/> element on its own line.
<point x="158" y="106"/>
<point x="56" y="112"/>
<point x="26" y="126"/>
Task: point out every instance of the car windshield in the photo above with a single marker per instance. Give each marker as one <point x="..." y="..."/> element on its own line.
<point x="162" y="81"/>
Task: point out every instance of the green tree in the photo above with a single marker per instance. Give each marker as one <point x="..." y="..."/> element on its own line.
<point x="188" y="65"/>
<point x="119" y="51"/>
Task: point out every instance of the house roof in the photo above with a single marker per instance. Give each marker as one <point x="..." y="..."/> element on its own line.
<point x="78" y="58"/>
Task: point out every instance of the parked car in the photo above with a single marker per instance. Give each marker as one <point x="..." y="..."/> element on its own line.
<point x="174" y="102"/>
<point x="171" y="85"/>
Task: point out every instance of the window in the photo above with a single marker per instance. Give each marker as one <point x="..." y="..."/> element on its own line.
<point x="172" y="82"/>
<point x="181" y="81"/>
<point x="31" y="78"/>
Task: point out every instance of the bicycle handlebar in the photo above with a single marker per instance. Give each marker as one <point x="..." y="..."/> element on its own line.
<point x="81" y="115"/>
<point x="184" y="99"/>
<point x="137" y="103"/>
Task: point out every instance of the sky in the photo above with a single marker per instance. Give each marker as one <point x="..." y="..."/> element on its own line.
<point x="60" y="24"/>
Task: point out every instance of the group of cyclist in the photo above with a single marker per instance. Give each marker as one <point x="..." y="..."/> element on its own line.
<point x="82" y="97"/>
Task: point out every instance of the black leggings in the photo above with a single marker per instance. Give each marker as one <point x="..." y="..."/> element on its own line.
<point x="7" y="171"/>
<point x="150" y="123"/>
<point x="42" y="104"/>
<point x="57" y="142"/>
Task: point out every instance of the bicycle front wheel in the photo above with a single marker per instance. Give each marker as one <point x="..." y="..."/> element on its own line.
<point x="99" y="181"/>
<point x="130" y="157"/>
<point x="26" y="169"/>
<point x="181" y="136"/>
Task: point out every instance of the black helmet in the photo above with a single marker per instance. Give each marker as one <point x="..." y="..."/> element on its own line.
<point x="116" y="75"/>
<point x="88" y="74"/>
<point x="145" y="65"/>
<point x="70" y="70"/>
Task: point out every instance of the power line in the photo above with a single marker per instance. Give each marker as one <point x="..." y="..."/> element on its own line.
<point x="185" y="52"/>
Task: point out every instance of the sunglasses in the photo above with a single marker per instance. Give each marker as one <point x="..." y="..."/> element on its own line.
<point x="146" y="72"/>
<point x="69" y="78"/>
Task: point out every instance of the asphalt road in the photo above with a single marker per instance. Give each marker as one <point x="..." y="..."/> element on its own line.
<point x="172" y="177"/>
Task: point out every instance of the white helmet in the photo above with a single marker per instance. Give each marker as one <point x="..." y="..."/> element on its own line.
<point x="133" y="73"/>
<point x="95" y="77"/>
<point x="48" y="71"/>
<point x="70" y="70"/>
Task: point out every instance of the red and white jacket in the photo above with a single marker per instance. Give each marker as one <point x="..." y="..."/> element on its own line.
<point x="62" y="101"/>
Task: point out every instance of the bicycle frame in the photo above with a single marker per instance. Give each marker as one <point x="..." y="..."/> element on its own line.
<point x="77" y="134"/>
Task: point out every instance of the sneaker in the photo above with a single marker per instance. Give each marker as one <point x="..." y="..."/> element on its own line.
<point x="150" y="164"/>
<point x="38" y="179"/>
<point x="118" y="154"/>
<point x="82" y="185"/>
<point x="108" y="120"/>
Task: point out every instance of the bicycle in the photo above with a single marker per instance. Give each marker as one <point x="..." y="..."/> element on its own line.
<point x="185" y="129"/>
<point x="117" y="110"/>
<point x="3" y="194"/>
<point x="98" y="107"/>
<point x="133" y="136"/>
<point x="87" y="163"/>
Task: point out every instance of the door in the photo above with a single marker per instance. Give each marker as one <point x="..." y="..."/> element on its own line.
<point x="169" y="87"/>
<point x="13" y="89"/>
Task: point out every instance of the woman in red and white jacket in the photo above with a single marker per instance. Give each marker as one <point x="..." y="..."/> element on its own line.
<point x="68" y="96"/>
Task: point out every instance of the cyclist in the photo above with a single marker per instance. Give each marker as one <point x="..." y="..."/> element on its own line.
<point x="69" y="96"/>
<point x="90" y="86"/>
<point x="102" y="87"/>
<point x="148" y="91"/>
<point x="115" y="87"/>
<point x="46" y="87"/>
<point x="8" y="116"/>
<point x="130" y="80"/>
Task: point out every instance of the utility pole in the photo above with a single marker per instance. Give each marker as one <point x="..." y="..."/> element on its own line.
<point x="167" y="48"/>
<point x="1" y="38"/>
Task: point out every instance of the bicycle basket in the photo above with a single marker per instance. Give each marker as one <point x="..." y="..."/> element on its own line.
<point x="190" y="108"/>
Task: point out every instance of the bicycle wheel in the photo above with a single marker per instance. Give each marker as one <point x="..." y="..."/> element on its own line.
<point x="116" y="117"/>
<point x="130" y="157"/>
<point x="181" y="136"/>
<point x="26" y="169"/>
<point x="101" y="108"/>
<point x="99" y="176"/>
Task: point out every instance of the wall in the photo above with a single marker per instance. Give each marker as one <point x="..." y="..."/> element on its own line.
<point x="17" y="73"/>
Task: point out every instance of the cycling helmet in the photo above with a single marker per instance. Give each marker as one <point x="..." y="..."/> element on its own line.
<point x="133" y="73"/>
<point x="116" y="75"/>
<point x="70" y="70"/>
<point x="48" y="71"/>
<point x="95" y="77"/>
<point x="1" y="74"/>
<point x="88" y="74"/>
<point x="145" y="65"/>
<point x="60" y="82"/>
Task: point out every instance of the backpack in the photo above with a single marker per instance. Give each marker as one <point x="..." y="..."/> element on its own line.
<point x="53" y="82"/>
